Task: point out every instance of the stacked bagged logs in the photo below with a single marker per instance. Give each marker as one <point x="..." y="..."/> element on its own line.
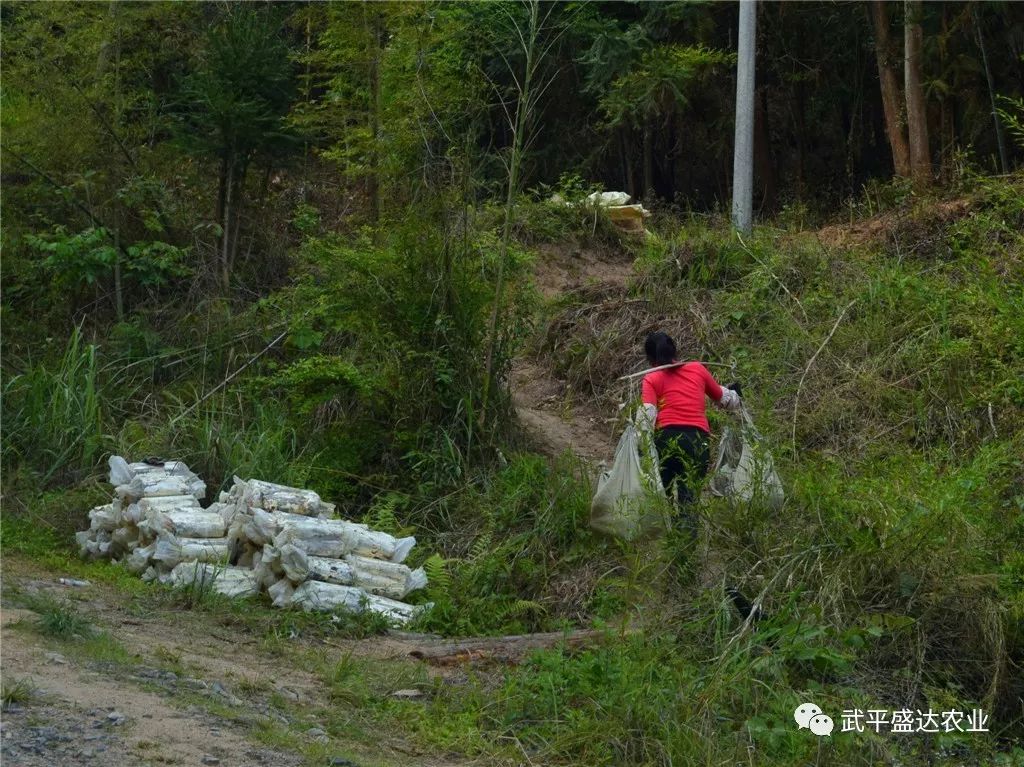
<point x="154" y="520"/>
<point x="304" y="558"/>
<point x="257" y="536"/>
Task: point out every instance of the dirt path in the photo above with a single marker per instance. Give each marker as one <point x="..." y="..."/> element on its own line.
<point x="93" y="704"/>
<point x="553" y="422"/>
<point x="547" y="411"/>
<point x="82" y="713"/>
<point x="553" y="419"/>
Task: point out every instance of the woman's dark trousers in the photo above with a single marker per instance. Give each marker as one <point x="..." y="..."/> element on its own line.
<point x="684" y="454"/>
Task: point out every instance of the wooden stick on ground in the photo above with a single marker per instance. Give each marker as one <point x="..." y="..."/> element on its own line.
<point x="509" y="649"/>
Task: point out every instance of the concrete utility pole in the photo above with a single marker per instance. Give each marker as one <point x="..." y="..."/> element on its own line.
<point x="743" y="153"/>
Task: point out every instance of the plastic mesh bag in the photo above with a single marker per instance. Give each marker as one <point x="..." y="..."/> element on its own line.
<point x="630" y="500"/>
<point x="744" y="469"/>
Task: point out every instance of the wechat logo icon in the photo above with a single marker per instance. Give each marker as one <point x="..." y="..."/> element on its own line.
<point x="809" y="716"/>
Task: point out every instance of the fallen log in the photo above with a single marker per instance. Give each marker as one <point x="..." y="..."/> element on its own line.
<point x="504" y="649"/>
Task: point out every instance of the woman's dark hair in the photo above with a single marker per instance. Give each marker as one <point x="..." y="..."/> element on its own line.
<point x="660" y="349"/>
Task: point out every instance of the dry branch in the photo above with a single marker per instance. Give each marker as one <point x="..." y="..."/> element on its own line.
<point x="810" y="363"/>
<point x="506" y="649"/>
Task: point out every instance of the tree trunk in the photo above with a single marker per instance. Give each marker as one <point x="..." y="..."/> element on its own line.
<point x="225" y="240"/>
<point x="1000" y="140"/>
<point x="801" y="123"/>
<point x="627" y="161"/>
<point x="917" y="111"/>
<point x="118" y="286"/>
<point x="236" y="216"/>
<point x="648" y="169"/>
<point x="503" y="649"/>
<point x="373" y="182"/>
<point x="892" y="98"/>
<point x="763" y="162"/>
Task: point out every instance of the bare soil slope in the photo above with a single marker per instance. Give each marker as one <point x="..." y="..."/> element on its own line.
<point x="554" y="419"/>
<point x="229" y="688"/>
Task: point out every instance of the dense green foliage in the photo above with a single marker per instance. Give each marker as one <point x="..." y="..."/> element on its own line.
<point x="269" y="241"/>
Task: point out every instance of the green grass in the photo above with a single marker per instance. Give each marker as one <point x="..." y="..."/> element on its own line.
<point x="102" y="647"/>
<point x="15" y="690"/>
<point x="53" y="416"/>
<point x="58" y="619"/>
<point x="78" y="637"/>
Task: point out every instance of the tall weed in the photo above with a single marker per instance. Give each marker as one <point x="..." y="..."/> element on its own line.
<point x="54" y="413"/>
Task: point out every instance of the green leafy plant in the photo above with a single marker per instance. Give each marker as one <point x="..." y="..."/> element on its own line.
<point x="85" y="257"/>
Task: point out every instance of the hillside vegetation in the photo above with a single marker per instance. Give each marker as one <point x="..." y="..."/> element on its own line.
<point x="315" y="245"/>
<point x="884" y="371"/>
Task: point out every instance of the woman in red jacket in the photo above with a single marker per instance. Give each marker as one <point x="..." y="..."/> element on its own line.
<point x="674" y="403"/>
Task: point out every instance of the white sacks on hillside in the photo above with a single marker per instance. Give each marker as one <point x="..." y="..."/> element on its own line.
<point x="258" y="536"/>
<point x="313" y="595"/>
<point x="229" y="581"/>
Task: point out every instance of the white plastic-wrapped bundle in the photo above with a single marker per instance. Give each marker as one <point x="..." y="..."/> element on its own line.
<point x="171" y="550"/>
<point x="229" y="581"/>
<point x="140" y="559"/>
<point x="280" y="592"/>
<point x="261" y="527"/>
<point x="227" y="512"/>
<point x="295" y="563"/>
<point x="120" y="472"/>
<point x="139" y="510"/>
<point x="335" y="538"/>
<point x="268" y="496"/>
<point x="187" y="524"/>
<point x="388" y="579"/>
<point x="123" y="474"/>
<point x="154" y="484"/>
<point x="125" y="539"/>
<point x="83" y="538"/>
<point x="315" y="595"/>
<point x="94" y="543"/>
<point x="268" y="567"/>
<point x="376" y="576"/>
<point x="104" y="518"/>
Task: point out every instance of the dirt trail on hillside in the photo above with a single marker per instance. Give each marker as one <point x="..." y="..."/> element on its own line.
<point x="228" y="686"/>
<point x="552" y="418"/>
<point x="73" y="717"/>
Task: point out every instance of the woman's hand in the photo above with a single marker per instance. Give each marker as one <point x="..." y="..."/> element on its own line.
<point x="730" y="399"/>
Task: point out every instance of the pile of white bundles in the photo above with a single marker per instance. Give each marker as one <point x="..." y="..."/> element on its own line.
<point x="257" y="536"/>
<point x="304" y="558"/>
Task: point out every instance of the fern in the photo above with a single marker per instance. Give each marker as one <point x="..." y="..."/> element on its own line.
<point x="381" y="516"/>
<point x="439" y="579"/>
<point x="481" y="547"/>
<point x="521" y="608"/>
